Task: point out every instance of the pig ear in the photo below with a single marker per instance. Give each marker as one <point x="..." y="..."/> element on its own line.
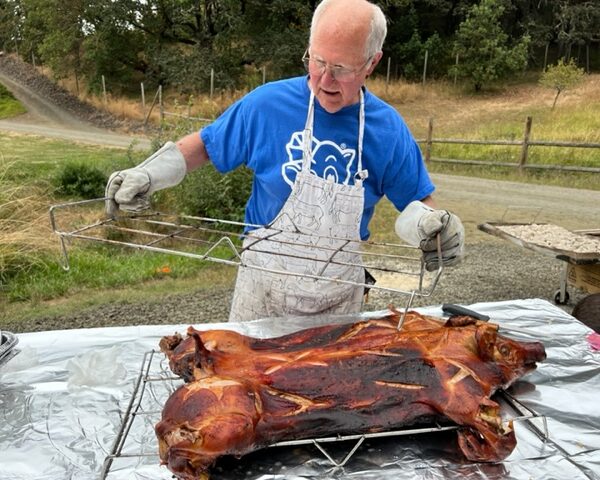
<point x="485" y="336"/>
<point x="460" y="321"/>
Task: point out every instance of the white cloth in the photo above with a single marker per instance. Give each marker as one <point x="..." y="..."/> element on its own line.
<point x="280" y="261"/>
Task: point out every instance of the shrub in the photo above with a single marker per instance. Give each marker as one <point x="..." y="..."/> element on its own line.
<point x="204" y="192"/>
<point x="208" y="193"/>
<point x="562" y="76"/>
<point x="81" y="180"/>
<point x="9" y="105"/>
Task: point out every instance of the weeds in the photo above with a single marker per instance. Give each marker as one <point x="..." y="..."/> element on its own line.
<point x="24" y="229"/>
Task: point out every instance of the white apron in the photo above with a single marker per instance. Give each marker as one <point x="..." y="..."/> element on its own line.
<point x="319" y="213"/>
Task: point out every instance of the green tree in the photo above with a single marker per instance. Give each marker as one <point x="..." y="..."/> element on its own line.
<point x="576" y="23"/>
<point x="483" y="47"/>
<point x="10" y="21"/>
<point x="53" y="30"/>
<point x="562" y="76"/>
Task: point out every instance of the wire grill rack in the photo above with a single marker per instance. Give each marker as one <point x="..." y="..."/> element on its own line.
<point x="135" y="440"/>
<point x="220" y="241"/>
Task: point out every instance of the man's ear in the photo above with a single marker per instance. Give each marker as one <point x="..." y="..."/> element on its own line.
<point x="374" y="62"/>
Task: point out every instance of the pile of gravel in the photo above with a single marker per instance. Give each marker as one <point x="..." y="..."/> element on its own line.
<point x="491" y="271"/>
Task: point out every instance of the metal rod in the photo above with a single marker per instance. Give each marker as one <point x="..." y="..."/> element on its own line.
<point x="122" y="433"/>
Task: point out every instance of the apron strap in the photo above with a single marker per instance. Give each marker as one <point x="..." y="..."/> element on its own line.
<point x="307" y="147"/>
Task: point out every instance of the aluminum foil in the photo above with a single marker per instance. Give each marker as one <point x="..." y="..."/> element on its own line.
<point x="64" y="398"/>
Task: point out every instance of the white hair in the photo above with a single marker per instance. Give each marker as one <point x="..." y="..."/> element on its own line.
<point x="377" y="33"/>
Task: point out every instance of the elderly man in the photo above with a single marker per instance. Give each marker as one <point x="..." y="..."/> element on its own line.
<point x="324" y="151"/>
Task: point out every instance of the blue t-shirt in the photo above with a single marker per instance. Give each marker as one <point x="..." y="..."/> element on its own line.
<point x="264" y="131"/>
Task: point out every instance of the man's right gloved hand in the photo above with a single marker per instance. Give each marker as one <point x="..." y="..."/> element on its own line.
<point x="419" y="225"/>
<point x="131" y="189"/>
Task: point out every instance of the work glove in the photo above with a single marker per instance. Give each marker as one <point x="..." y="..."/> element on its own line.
<point x="418" y="225"/>
<point x="130" y="189"/>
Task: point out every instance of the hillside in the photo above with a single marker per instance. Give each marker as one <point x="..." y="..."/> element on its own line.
<point x="24" y="74"/>
<point x="459" y="113"/>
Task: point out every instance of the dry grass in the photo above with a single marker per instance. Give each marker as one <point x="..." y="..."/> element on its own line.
<point x="201" y="106"/>
<point x="457" y="111"/>
<point x="24" y="227"/>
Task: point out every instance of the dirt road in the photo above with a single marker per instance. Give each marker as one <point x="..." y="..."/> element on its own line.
<point x="47" y="119"/>
<point x="479" y="200"/>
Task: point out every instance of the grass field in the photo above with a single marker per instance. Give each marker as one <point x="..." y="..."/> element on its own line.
<point x="33" y="283"/>
<point x="9" y="106"/>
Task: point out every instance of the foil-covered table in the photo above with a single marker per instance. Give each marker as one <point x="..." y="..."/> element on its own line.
<point x="63" y="398"/>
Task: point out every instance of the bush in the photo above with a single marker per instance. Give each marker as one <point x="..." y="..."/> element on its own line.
<point x="81" y="180"/>
<point x="204" y="192"/>
<point x="562" y="76"/>
<point x="9" y="105"/>
<point x="208" y="193"/>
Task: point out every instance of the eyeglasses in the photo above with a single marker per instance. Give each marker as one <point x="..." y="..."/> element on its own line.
<point x="338" y="72"/>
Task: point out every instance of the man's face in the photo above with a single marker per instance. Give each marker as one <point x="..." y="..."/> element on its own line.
<point x="338" y="66"/>
<point x="338" y="53"/>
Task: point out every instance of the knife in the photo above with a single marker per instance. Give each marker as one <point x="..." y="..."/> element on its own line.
<point x="452" y="309"/>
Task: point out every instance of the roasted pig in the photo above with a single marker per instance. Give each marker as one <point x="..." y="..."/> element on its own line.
<point x="244" y="393"/>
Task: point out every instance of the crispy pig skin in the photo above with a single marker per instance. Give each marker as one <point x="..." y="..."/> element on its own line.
<point x="243" y="393"/>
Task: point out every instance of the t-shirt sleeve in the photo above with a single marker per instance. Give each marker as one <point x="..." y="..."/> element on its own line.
<point x="226" y="139"/>
<point x="407" y="178"/>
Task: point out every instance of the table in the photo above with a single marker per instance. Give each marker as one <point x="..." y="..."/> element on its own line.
<point x="63" y="396"/>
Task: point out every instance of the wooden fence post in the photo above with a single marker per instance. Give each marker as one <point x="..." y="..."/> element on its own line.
<point x="428" y="142"/>
<point x="525" y="147"/>
<point x="161" y="108"/>
<point x="455" y="69"/>
<point x="264" y="74"/>
<point x="143" y="98"/>
<point x="587" y="58"/>
<point x="212" y="82"/>
<point x="387" y="77"/>
<point x="425" y="66"/>
<point x="104" y="90"/>
<point x="151" y="108"/>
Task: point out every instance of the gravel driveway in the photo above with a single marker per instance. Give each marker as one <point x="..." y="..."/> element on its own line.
<point x="492" y="270"/>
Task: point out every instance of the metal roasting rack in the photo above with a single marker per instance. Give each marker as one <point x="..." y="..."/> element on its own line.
<point x="220" y="241"/>
<point x="155" y="383"/>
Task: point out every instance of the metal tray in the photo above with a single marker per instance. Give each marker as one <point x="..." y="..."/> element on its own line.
<point x="494" y="228"/>
<point x="8" y="341"/>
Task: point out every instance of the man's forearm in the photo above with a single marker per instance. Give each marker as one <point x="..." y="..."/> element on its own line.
<point x="193" y="150"/>
<point x="429" y="201"/>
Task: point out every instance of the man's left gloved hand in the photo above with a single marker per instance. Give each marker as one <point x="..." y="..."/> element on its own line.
<point x="131" y="189"/>
<point x="419" y="225"/>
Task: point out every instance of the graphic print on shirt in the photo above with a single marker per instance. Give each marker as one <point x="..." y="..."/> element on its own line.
<point x="330" y="161"/>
